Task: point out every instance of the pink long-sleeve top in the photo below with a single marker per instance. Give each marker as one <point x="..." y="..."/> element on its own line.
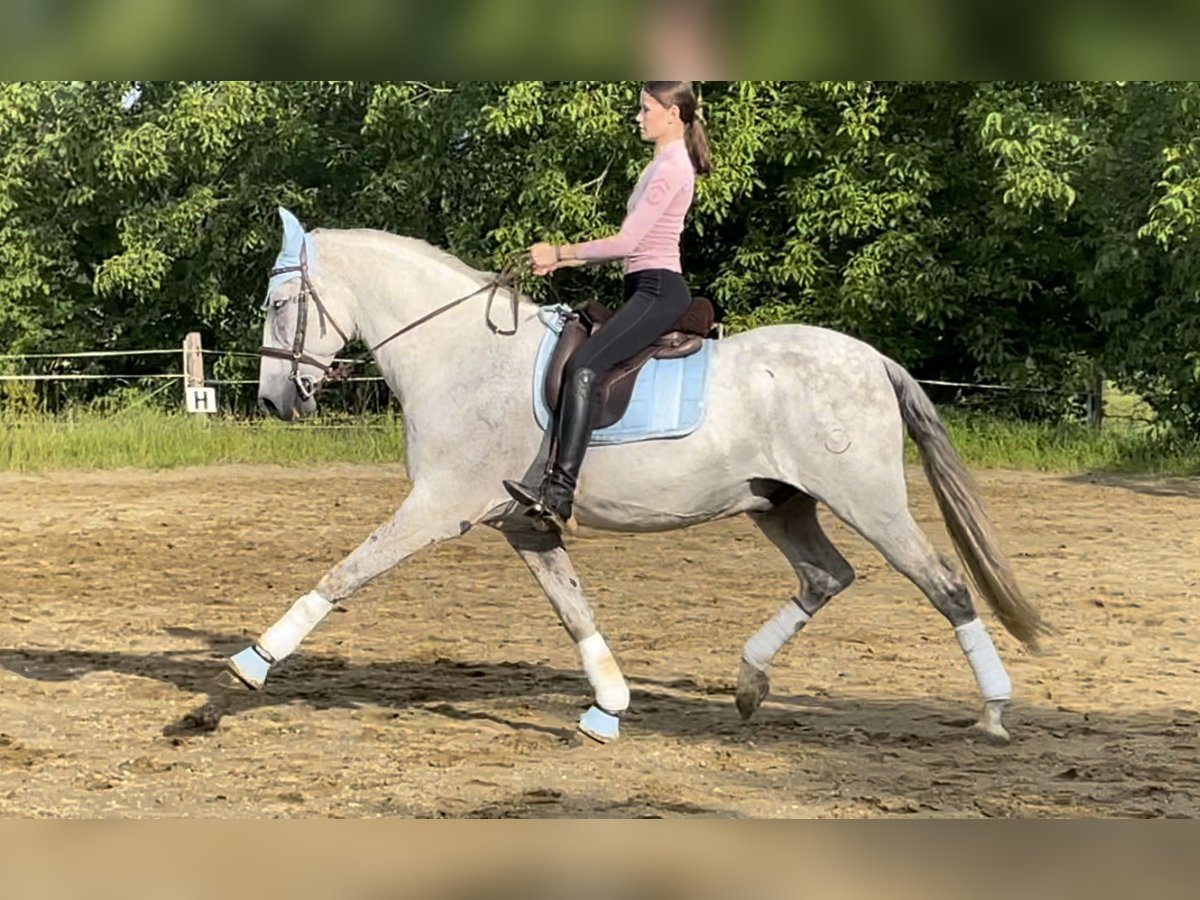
<point x="649" y="236"/>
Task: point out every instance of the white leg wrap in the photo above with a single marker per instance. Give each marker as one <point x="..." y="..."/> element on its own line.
<point x="608" y="684"/>
<point x="282" y="638"/>
<point x="977" y="644"/>
<point x="769" y="640"/>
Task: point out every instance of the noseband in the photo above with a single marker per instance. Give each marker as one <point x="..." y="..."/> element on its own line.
<point x="306" y="386"/>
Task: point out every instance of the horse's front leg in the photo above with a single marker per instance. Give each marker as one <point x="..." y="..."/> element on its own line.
<point x="548" y="561"/>
<point x="419" y="522"/>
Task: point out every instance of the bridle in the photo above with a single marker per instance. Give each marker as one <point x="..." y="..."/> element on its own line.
<point x="306" y="385"/>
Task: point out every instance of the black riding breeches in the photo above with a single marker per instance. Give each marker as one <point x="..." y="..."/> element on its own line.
<point x="655" y="299"/>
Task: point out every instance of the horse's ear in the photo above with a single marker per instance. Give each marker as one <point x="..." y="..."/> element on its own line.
<point x="294" y="239"/>
<point x="293" y="233"/>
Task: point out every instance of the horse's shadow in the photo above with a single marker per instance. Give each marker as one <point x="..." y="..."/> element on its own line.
<point x="320" y="682"/>
<point x="456" y="689"/>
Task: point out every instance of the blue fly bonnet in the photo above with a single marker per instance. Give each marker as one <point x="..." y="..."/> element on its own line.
<point x="289" y="253"/>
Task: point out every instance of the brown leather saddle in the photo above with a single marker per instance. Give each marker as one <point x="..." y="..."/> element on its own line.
<point x="616" y="386"/>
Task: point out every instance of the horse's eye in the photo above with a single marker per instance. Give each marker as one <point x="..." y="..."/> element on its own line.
<point x="278" y="303"/>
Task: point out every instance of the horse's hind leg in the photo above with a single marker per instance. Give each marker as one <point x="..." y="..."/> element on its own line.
<point x="823" y="572"/>
<point x="548" y="561"/>
<point x="905" y="546"/>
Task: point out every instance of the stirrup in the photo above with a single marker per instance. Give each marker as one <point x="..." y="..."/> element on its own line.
<point x="557" y="508"/>
<point x="548" y="521"/>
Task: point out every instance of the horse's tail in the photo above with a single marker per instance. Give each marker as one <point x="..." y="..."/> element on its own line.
<point x="958" y="498"/>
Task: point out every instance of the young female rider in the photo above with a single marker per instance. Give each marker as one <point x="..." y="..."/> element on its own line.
<point x="655" y="293"/>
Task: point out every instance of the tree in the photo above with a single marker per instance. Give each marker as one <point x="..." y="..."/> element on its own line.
<point x="1034" y="233"/>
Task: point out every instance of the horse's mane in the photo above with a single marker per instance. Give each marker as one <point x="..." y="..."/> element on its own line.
<point x="426" y="249"/>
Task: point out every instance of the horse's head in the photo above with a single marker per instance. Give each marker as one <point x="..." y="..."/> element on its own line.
<point x="308" y="323"/>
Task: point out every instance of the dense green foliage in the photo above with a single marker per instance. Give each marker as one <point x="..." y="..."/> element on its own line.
<point x="1030" y="233"/>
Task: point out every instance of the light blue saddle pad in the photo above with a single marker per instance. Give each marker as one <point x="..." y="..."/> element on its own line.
<point x="668" y="399"/>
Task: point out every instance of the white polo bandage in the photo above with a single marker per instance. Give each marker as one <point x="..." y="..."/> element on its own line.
<point x="608" y="684"/>
<point x="981" y="653"/>
<point x="769" y="640"/>
<point x="282" y="638"/>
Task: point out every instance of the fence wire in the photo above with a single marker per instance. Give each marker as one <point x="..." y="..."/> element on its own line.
<point x="363" y="394"/>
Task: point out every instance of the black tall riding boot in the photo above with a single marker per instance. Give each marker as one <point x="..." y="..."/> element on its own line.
<point x="574" y="433"/>
<point x="555" y="497"/>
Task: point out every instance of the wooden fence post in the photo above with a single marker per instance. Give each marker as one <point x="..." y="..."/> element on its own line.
<point x="193" y="361"/>
<point x="196" y="397"/>
<point x="1095" y="400"/>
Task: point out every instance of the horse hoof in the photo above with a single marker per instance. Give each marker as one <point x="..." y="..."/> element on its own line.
<point x="599" y="725"/>
<point x="996" y="735"/>
<point x="250" y="668"/>
<point x="752" y="689"/>
<point x="988" y="728"/>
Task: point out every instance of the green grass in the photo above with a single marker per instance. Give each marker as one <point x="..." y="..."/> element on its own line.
<point x="986" y="442"/>
<point x="146" y="438"/>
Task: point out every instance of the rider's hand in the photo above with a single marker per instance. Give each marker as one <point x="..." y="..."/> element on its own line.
<point x="542" y="258"/>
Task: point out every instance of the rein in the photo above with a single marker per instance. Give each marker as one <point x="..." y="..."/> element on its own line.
<point x="307" y="386"/>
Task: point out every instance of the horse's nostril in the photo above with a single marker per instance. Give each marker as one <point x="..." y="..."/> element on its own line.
<point x="267" y="405"/>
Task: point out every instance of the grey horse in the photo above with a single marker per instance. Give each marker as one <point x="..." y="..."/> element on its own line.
<point x="795" y="416"/>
